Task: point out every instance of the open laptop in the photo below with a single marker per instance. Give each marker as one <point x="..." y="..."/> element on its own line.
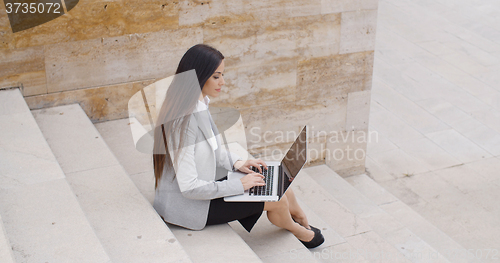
<point x="278" y="176"/>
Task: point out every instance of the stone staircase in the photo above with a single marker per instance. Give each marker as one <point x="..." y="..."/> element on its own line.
<point x="71" y="191"/>
<point x="65" y="198"/>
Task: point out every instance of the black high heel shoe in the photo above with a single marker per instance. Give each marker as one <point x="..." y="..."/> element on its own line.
<point x="317" y="240"/>
<point x="315" y="229"/>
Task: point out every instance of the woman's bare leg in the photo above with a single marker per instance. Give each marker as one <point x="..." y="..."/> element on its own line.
<point x="297" y="214"/>
<point x="279" y="214"/>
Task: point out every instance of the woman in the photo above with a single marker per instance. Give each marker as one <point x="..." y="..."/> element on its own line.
<point x="187" y="150"/>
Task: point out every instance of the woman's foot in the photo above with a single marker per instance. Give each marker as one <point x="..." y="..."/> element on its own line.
<point x="305" y="235"/>
<point x="302" y="221"/>
<point x="317" y="239"/>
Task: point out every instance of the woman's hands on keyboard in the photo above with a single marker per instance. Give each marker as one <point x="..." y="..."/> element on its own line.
<point x="245" y="166"/>
<point x="252" y="179"/>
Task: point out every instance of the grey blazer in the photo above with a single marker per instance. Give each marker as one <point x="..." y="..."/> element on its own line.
<point x="185" y="200"/>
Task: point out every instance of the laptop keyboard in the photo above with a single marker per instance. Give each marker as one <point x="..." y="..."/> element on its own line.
<point x="268" y="179"/>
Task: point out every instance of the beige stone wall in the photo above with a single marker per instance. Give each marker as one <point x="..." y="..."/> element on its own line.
<point x="288" y="63"/>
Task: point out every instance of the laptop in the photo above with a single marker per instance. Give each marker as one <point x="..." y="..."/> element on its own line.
<point x="278" y="176"/>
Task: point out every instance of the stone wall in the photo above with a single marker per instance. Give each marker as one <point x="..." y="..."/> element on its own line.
<point x="288" y="63"/>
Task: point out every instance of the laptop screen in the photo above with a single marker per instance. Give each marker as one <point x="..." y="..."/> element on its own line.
<point x="295" y="158"/>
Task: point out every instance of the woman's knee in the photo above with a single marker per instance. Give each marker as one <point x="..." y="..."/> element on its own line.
<point x="281" y="204"/>
<point x="289" y="192"/>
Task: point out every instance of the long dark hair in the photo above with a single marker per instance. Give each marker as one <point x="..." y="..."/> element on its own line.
<point x="180" y="101"/>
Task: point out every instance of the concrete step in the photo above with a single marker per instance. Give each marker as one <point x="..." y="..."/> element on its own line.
<point x="274" y="244"/>
<point x="126" y="224"/>
<point x="336" y="248"/>
<point x="370" y="209"/>
<point x="347" y="235"/>
<point x="335" y="245"/>
<point x="216" y="243"/>
<point x="6" y="253"/>
<point x="408" y="217"/>
<point x="362" y="243"/>
<point x="271" y="243"/>
<point x="201" y="246"/>
<point x="41" y="216"/>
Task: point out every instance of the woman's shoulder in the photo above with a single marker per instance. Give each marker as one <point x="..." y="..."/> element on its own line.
<point x="192" y="120"/>
<point x="191" y="124"/>
<point x="197" y="119"/>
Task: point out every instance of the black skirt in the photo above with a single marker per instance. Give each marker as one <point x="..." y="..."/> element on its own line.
<point x="247" y="213"/>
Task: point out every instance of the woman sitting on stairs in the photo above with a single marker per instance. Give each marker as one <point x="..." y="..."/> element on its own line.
<point x="189" y="193"/>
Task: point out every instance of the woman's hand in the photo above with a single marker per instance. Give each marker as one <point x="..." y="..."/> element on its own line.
<point x="245" y="166"/>
<point x="252" y="179"/>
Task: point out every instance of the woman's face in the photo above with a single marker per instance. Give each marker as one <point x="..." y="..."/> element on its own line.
<point x="214" y="84"/>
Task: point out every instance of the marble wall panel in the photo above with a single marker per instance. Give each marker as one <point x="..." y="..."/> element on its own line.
<point x="346" y="152"/>
<point x="258" y="84"/>
<point x="251" y="41"/>
<point x="6" y="36"/>
<point x="358" y="110"/>
<point x="274" y="124"/>
<point x="337" y="6"/>
<point x="308" y="36"/>
<point x="196" y="12"/>
<point x="23" y="67"/>
<point x="31" y="83"/>
<point x="107" y="61"/>
<point x="358" y="31"/>
<point x="234" y="38"/>
<point x="97" y="19"/>
<point x="335" y="75"/>
<point x="21" y="60"/>
<point x="288" y="63"/>
<point x="316" y="151"/>
<point x="323" y="115"/>
<point x="99" y="103"/>
<point x="273" y="9"/>
<point x="270" y="124"/>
